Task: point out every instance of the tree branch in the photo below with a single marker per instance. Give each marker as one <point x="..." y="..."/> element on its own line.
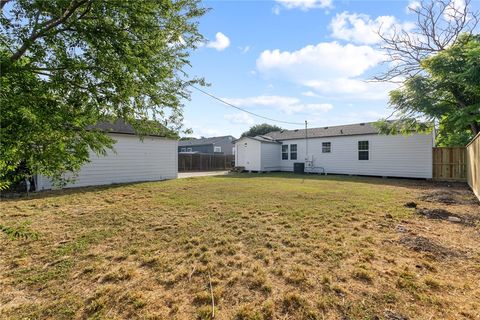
<point x="45" y="27"/>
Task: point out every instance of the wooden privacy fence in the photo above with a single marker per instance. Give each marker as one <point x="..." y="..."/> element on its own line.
<point x="473" y="165"/>
<point x="204" y="162"/>
<point x="450" y="164"/>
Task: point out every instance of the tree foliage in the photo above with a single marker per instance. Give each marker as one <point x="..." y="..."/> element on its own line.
<point x="449" y="93"/>
<point x="66" y="64"/>
<point x="260" y="129"/>
<point x="441" y="75"/>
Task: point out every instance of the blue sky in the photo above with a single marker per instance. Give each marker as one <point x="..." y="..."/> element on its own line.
<point x="292" y="60"/>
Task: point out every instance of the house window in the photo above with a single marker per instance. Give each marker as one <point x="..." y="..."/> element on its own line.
<point x="285" y="152"/>
<point x="189" y="149"/>
<point x="184" y="150"/>
<point x="217" y="149"/>
<point x="362" y="150"/>
<point x="326" y="147"/>
<point x="293" y="152"/>
<point x="233" y="150"/>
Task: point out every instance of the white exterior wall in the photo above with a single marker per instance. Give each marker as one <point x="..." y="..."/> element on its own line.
<point x="394" y="155"/>
<point x="271" y="156"/>
<point x="247" y="154"/>
<point x="132" y="160"/>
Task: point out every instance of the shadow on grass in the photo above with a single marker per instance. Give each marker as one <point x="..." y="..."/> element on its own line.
<point x="44" y="194"/>
<point x="391" y="181"/>
<point x="405" y="182"/>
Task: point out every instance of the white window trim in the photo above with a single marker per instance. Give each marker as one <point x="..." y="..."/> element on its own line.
<point x="296" y="151"/>
<point x="330" y="148"/>
<point x="358" y="151"/>
<point x="217" y="149"/>
<point x="287" y="152"/>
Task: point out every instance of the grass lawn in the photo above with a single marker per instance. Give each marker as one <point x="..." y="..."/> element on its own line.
<point x="270" y="246"/>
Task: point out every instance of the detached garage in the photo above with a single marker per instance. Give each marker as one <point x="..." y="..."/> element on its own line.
<point x="258" y="153"/>
<point x="132" y="160"/>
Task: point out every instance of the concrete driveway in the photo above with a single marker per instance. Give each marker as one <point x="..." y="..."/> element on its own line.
<point x="201" y="174"/>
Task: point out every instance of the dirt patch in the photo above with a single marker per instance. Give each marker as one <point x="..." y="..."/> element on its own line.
<point x="422" y="244"/>
<point x="442" y="214"/>
<point x="465" y="197"/>
<point x="410" y="204"/>
<point x="391" y="315"/>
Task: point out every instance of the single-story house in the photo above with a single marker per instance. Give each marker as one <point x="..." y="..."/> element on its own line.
<point x="356" y="149"/>
<point x="132" y="160"/>
<point x="213" y="145"/>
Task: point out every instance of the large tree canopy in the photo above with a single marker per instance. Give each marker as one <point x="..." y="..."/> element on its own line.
<point x="260" y="129"/>
<point x="66" y="64"/>
<point x="438" y="63"/>
<point x="448" y="92"/>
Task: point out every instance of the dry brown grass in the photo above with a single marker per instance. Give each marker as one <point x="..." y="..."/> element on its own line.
<point x="274" y="246"/>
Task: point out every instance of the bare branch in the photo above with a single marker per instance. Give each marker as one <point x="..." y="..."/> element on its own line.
<point x="438" y="26"/>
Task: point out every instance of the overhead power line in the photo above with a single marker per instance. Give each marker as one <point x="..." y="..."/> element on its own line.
<point x="241" y="109"/>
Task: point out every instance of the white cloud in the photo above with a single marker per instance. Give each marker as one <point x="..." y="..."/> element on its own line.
<point x="360" y="28"/>
<point x="288" y="105"/>
<point x="413" y="5"/>
<point x="309" y="94"/>
<point x="330" y="69"/>
<point x="221" y="42"/>
<point x="455" y="8"/>
<point x="244" y="49"/>
<point x="327" y="59"/>
<point x="239" y="118"/>
<point x="304" y="4"/>
<point x="353" y="88"/>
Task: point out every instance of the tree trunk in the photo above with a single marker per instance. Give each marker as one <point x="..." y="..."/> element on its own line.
<point x="475" y="126"/>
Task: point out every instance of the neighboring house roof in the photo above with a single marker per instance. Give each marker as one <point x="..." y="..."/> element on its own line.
<point x="120" y="126"/>
<point x="259" y="138"/>
<point x="204" y="141"/>
<point x="335" y="131"/>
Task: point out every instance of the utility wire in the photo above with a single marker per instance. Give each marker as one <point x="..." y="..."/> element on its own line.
<point x="241" y="109"/>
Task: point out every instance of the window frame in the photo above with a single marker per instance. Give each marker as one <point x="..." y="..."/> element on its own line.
<point x="285" y="151"/>
<point x="189" y="150"/>
<point x="329" y="147"/>
<point x="183" y="149"/>
<point x="293" y="152"/>
<point x="363" y="148"/>
<point x="215" y="149"/>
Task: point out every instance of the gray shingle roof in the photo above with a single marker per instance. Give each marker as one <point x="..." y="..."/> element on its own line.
<point x="204" y="141"/>
<point x="261" y="139"/>
<point x="345" y="130"/>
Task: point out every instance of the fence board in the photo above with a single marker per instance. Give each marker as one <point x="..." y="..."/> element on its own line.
<point x="473" y="165"/>
<point x="204" y="162"/>
<point x="450" y="164"/>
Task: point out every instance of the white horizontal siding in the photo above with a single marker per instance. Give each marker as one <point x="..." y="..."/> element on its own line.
<point x="248" y="154"/>
<point x="132" y="160"/>
<point x="396" y="155"/>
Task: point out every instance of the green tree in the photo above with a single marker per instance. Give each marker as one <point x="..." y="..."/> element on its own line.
<point x="437" y="63"/>
<point x="260" y="129"/>
<point x="447" y="92"/>
<point x="66" y="64"/>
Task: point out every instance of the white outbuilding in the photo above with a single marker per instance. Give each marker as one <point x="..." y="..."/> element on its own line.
<point x="356" y="149"/>
<point x="131" y="160"/>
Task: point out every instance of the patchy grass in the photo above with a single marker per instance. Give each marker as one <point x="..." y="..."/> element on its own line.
<point x="272" y="246"/>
